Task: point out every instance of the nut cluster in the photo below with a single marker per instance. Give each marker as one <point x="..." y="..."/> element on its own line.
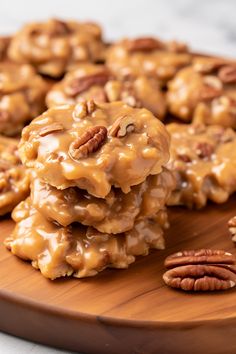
<point x="201" y="270"/>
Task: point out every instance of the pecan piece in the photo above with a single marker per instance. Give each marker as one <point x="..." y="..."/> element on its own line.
<point x="204" y="150"/>
<point x="227" y="74"/>
<point x="88" y="143"/>
<point x="122" y="126"/>
<point x="144" y="44"/>
<point x="81" y="84"/>
<point x="232" y="228"/>
<point x="201" y="270"/>
<point x="53" y="128"/>
<point x="83" y="108"/>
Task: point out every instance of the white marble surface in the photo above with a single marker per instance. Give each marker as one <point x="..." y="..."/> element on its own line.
<point x="209" y="25"/>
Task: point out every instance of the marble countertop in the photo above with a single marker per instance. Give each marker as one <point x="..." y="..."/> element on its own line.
<point x="207" y="25"/>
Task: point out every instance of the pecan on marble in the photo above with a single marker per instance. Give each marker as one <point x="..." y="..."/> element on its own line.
<point x="88" y="142"/>
<point x="201" y="270"/>
<point x="122" y="126"/>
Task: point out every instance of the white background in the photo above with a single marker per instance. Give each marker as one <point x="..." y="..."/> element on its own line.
<point x="209" y="25"/>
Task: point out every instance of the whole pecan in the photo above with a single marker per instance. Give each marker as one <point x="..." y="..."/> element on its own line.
<point x="201" y="270"/>
<point x="88" y="143"/>
<point x="81" y="84"/>
<point x="144" y="44"/>
<point x="204" y="150"/>
<point x="52" y="128"/>
<point x="122" y="126"/>
<point x="227" y="74"/>
<point x="232" y="227"/>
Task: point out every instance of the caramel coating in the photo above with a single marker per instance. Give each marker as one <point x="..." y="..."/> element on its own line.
<point x="22" y="96"/>
<point x="53" y="46"/>
<point x="114" y="214"/>
<point x="4" y="44"/>
<point x="161" y="61"/>
<point x="90" y="81"/>
<point x="119" y="162"/>
<point x="14" y="179"/>
<point x="204" y="93"/>
<point x="77" y="250"/>
<point x="204" y="163"/>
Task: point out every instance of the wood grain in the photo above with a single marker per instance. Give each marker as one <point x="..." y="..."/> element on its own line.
<point x="125" y="311"/>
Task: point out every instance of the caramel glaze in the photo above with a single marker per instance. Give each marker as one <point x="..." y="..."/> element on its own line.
<point x="197" y="94"/>
<point x="22" y="96"/>
<point x="14" y="178"/>
<point x="204" y="163"/>
<point x="115" y="214"/>
<point x="119" y="162"/>
<point x="78" y="250"/>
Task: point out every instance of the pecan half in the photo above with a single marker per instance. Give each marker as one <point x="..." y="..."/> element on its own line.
<point x="144" y="44"/>
<point x="227" y="74"/>
<point x="81" y="84"/>
<point x="53" y="128"/>
<point x="88" y="143"/>
<point x="201" y="270"/>
<point x="122" y="126"/>
<point x="232" y="228"/>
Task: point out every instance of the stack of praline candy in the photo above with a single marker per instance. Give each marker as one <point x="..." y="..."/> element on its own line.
<point x="98" y="191"/>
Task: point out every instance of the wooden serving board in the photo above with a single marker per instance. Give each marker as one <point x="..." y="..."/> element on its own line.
<point x="125" y="311"/>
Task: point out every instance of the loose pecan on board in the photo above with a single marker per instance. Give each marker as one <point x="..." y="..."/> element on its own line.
<point x="201" y="270"/>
